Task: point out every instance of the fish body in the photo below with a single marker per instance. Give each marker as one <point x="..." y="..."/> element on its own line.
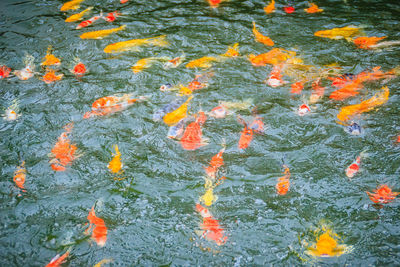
<point x="111" y="104"/>
<point x="63" y="153"/>
<point x="89" y="22"/>
<point x="233" y="51"/>
<point x="71" y="5"/>
<point x="261" y="38"/>
<point x="204" y="62"/>
<point x="211" y="229"/>
<point x="289" y="9"/>
<point x="384" y="44"/>
<point x="283" y="185"/>
<point x="215" y="3"/>
<point x="146" y="63"/>
<point x="200" y="81"/>
<point x="380" y="98"/>
<point x="101" y="33"/>
<point x="273" y="57"/>
<point x="303" y="110"/>
<point x="176" y="131"/>
<point x="208" y="198"/>
<point x="348" y="33"/>
<point x="50" y="76"/>
<point x="58" y="260"/>
<point x="20" y="175"/>
<point x="246" y="104"/>
<point x="115" y="164"/>
<point x="135" y="43"/>
<point x="99" y="231"/>
<point x="216" y="162"/>
<point x="367" y="42"/>
<point x="160" y="113"/>
<point x="270" y="7"/>
<point x="112" y="16"/>
<point x="50" y="59"/>
<point x="178" y="114"/>
<point x="192" y="138"/>
<point x="297" y="87"/>
<point x="326" y="246"/>
<point x="25" y="73"/>
<point x="166" y="87"/>
<point x="275" y="78"/>
<point x="246" y="136"/>
<point x="313" y="9"/>
<point x="11" y="113"/>
<point x="79" y="69"/>
<point x="76" y="17"/>
<point x="4" y="71"/>
<point x="353" y="168"/>
<point x="382" y="195"/>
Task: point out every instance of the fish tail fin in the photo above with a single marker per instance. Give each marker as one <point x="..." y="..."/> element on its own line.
<point x="188" y="100"/>
<point x="116" y="150"/>
<point x="159" y="41"/>
<point x="122" y="27"/>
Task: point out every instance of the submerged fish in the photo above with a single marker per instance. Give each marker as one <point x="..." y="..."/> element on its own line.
<point x="29" y="70"/>
<point x="233" y="51"/>
<point x="76" y="17"/>
<point x="216" y="162"/>
<point x="208" y="198"/>
<point x="89" y="22"/>
<point x="355" y="166"/>
<point x="192" y="138"/>
<point x="178" y="114"/>
<point x="99" y="233"/>
<point x="71" y="5"/>
<point x="146" y="63"/>
<point x="283" y="185"/>
<point x="4" y="71"/>
<point x="270" y="7"/>
<point x="50" y="76"/>
<point x="134" y="44"/>
<point x="261" y="38"/>
<point x="50" y="59"/>
<point x="211" y="229"/>
<point x="348" y="112"/>
<point x="63" y="152"/>
<point x="204" y="62"/>
<point x="175" y="62"/>
<point x="58" y="260"/>
<point x="11" y="113"/>
<point x="348" y="33"/>
<point x="101" y="33"/>
<point x="327" y="245"/>
<point x="246" y="136"/>
<point x="103" y="261"/>
<point x="367" y="42"/>
<point x="313" y="8"/>
<point x="20" y="175"/>
<point x="273" y="57"/>
<point x="115" y="164"/>
<point x="79" y="69"/>
<point x="382" y="195"/>
<point x="354" y="129"/>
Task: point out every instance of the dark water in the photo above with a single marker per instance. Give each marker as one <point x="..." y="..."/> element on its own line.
<point x="150" y="215"/>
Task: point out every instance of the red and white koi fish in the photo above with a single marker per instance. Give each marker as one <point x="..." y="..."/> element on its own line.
<point x="353" y="169"/>
<point x="246" y="136"/>
<point x="275" y="77"/>
<point x="303" y="110"/>
<point x="89" y="22"/>
<point x="211" y="229"/>
<point x="192" y="138"/>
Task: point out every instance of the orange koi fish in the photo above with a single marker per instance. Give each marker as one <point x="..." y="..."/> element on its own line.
<point x="50" y="76"/>
<point x="367" y="42"/>
<point x="71" y="5"/>
<point x="4" y="71"/>
<point x="63" y="153"/>
<point x="211" y="229"/>
<point x="233" y="51"/>
<point x="380" y="98"/>
<point x="317" y="91"/>
<point x="192" y="138"/>
<point x="313" y="9"/>
<point x="382" y="195"/>
<point x="297" y="87"/>
<point x="99" y="233"/>
<point x="50" y="59"/>
<point x="215" y="3"/>
<point x="327" y="245"/>
<point x="275" y="78"/>
<point x="115" y="164"/>
<point x="58" y="260"/>
<point x="273" y="57"/>
<point x="20" y="175"/>
<point x="124" y="1"/>
<point x="133" y="45"/>
<point x="76" y="17"/>
<point x="355" y="166"/>
<point x="111" y="104"/>
<point x="89" y="22"/>
<point x="261" y="38"/>
<point x="282" y="187"/>
<point x="247" y="133"/>
<point x="200" y="81"/>
<point x="216" y="162"/>
<point x="79" y="69"/>
<point x="289" y="9"/>
<point x="270" y="7"/>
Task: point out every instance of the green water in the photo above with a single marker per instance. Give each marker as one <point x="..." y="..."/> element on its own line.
<point x="150" y="216"/>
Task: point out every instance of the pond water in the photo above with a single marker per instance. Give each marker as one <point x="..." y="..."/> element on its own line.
<point x="150" y="215"/>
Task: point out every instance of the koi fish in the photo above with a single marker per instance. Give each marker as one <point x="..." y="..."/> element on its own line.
<point x="29" y="70"/>
<point x="101" y="33"/>
<point x="178" y="114"/>
<point x="89" y="22"/>
<point x="58" y="260"/>
<point x="115" y="164"/>
<point x="133" y="45"/>
<point x="99" y="233"/>
<point x="327" y="246"/>
<point x="382" y="195"/>
<point x="204" y="62"/>
<point x="384" y="44"/>
<point x="208" y="198"/>
<point x="216" y="162"/>
<point x="378" y="99"/>
<point x="11" y="113"/>
<point x="160" y="113"/>
<point x="200" y="81"/>
<point x="354" y="129"/>
<point x="303" y="110"/>
<point x="63" y="153"/>
<point x="112" y="16"/>
<point x="192" y="138"/>
<point x="218" y="112"/>
<point x="367" y="42"/>
<point x="313" y="8"/>
<point x="146" y="63"/>
<point x="275" y="78"/>
<point x="273" y="57"/>
<point x="348" y="33"/>
<point x="50" y="76"/>
<point x="297" y="87"/>
<point x="246" y="104"/>
<point x="233" y="51"/>
<point x="355" y="166"/>
<point x="76" y="17"/>
<point x="50" y="59"/>
<point x="79" y="69"/>
<point x="289" y="9"/>
<point x="4" y="71"/>
<point x="341" y="81"/>
<point x="282" y="187"/>
<point x="124" y="1"/>
<point x="246" y="135"/>
<point x="20" y="175"/>
<point x="71" y="5"/>
<point x="215" y="3"/>
<point x="317" y="91"/>
<point x="176" y="131"/>
<point x="103" y="261"/>
<point x="175" y="62"/>
<point x="211" y="230"/>
<point x="261" y="38"/>
<point x="270" y="7"/>
<point x="112" y="104"/>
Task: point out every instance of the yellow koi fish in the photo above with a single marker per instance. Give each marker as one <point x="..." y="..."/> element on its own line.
<point x="134" y="43"/>
<point x="204" y="62"/>
<point x="146" y="62"/>
<point x="261" y="38"/>
<point x="327" y="245"/>
<point x="233" y="51"/>
<point x="348" y="33"/>
<point x="178" y="114"/>
<point x="50" y="59"/>
<point x="76" y="17"/>
<point x="101" y="34"/>
<point x="378" y="99"/>
<point x="115" y="164"/>
<point x="71" y="5"/>
<point x="103" y="261"/>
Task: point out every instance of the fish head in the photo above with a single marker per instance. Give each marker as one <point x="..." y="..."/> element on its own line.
<point x="165" y="87"/>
